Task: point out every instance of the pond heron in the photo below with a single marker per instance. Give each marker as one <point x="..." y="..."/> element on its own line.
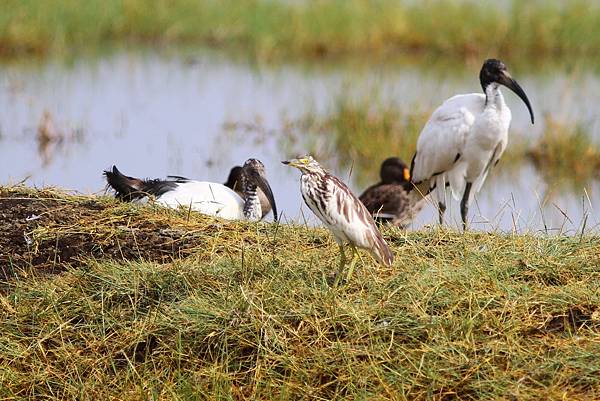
<point x="345" y="216"/>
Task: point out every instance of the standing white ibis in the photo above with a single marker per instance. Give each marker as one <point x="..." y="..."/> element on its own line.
<point x="345" y="216"/>
<point x="205" y="197"/>
<point x="464" y="138"/>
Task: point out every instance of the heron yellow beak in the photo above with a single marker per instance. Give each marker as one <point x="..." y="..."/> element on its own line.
<point x="295" y="162"/>
<point x="406" y="173"/>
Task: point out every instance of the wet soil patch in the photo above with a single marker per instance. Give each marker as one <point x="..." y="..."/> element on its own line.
<point x="45" y="234"/>
<point x="570" y="321"/>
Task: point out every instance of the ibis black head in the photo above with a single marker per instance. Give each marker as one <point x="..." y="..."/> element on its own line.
<point x="394" y="171"/>
<point x="494" y="71"/>
<point x="234" y="180"/>
<point x="254" y="172"/>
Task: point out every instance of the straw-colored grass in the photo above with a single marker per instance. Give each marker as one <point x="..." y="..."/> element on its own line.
<point x="279" y="29"/>
<point x="248" y="314"/>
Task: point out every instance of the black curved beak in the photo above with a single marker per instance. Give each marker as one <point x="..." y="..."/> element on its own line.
<point x="266" y="188"/>
<point x="514" y="86"/>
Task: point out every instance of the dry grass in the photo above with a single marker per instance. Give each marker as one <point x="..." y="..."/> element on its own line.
<point x="248" y="314"/>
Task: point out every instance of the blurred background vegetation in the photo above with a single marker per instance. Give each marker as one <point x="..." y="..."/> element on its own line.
<point x="276" y="29"/>
<point x="368" y="46"/>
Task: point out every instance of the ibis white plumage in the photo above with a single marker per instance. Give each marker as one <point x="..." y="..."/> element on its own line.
<point x="205" y="197"/>
<point x="464" y="138"/>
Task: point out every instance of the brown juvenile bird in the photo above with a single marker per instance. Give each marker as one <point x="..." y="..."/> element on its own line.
<point x="389" y="201"/>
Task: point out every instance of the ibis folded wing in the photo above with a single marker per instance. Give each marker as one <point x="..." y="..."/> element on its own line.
<point x="437" y="159"/>
<point x="205" y="197"/>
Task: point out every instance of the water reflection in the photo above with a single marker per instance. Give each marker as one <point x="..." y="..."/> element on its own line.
<point x="154" y="114"/>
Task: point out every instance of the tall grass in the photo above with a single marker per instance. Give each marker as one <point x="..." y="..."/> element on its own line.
<point x="566" y="152"/>
<point x="270" y="29"/>
<point x="249" y="315"/>
<point x="362" y="132"/>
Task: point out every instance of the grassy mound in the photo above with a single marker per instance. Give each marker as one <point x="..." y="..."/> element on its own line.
<point x="227" y="310"/>
<point x="49" y="231"/>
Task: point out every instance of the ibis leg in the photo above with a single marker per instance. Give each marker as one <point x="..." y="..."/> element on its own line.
<point x="464" y="205"/>
<point x="341" y="266"/>
<point x="441" y="210"/>
<point x="352" y="262"/>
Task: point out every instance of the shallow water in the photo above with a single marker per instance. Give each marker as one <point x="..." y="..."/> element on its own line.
<point x="156" y="113"/>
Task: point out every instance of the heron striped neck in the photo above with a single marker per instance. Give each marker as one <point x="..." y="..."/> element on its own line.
<point x="252" y="208"/>
<point x="312" y="178"/>
<point x="315" y="192"/>
<point x="313" y="187"/>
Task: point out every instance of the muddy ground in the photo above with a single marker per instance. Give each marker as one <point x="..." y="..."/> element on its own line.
<point x="39" y="233"/>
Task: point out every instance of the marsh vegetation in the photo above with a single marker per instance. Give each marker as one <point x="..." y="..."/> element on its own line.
<point x="162" y="304"/>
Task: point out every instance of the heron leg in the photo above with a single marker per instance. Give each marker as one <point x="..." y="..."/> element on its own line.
<point x="464" y="205"/>
<point x="441" y="210"/>
<point x="352" y="262"/>
<point x="341" y="266"/>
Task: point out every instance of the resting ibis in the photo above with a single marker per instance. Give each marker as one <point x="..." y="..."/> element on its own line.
<point x="205" y="197"/>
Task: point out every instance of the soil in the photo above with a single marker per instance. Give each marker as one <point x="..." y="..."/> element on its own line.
<point x="23" y="212"/>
